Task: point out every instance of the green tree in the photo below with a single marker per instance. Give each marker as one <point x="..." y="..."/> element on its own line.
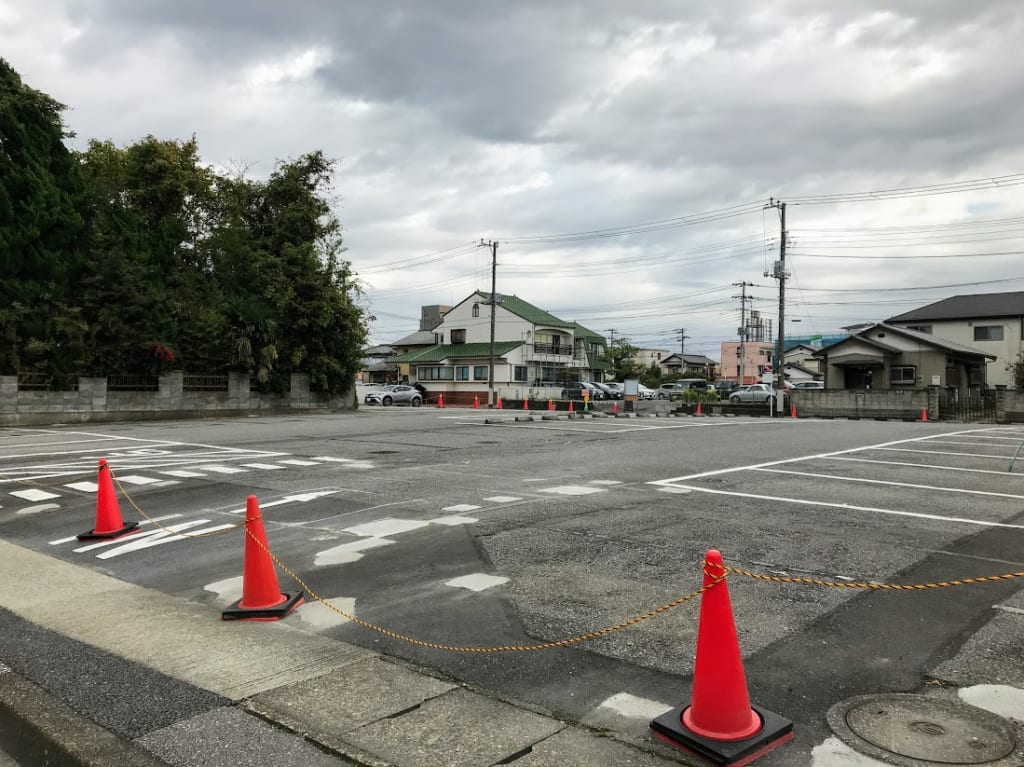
<point x="621" y="355"/>
<point x="41" y="234"/>
<point x="1017" y="372"/>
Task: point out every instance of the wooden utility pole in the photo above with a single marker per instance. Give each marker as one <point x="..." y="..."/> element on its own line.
<point x="779" y="273"/>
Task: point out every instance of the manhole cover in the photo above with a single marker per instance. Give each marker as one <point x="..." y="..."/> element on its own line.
<point x="917" y="728"/>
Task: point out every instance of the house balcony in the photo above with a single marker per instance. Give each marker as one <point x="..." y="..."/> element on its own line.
<point x="549" y="353"/>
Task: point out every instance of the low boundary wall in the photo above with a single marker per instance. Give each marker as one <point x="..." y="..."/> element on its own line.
<point x="93" y="402"/>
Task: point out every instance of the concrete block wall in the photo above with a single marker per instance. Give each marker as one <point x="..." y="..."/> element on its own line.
<point x="876" y="403"/>
<point x="93" y="402"/>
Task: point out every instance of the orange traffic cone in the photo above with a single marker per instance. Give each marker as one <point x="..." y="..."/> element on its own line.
<point x="526" y="404"/>
<point x="440" y="400"/>
<point x="551" y="404"/>
<point x="792" y="412"/>
<point x="570" y="406"/>
<point x="108" y="515"/>
<point x="615" y="408"/>
<point x="720" y="725"/>
<point x="262" y="599"/>
<point x="476" y="402"/>
<point x="924" y="414"/>
<point x="699" y="411"/>
<point x="499" y="403"/>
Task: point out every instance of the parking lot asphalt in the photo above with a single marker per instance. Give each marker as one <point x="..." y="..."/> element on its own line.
<point x="447" y="529"/>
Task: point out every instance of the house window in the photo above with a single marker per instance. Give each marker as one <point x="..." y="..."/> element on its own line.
<point x="459" y="336"/>
<point x="921" y="328"/>
<point x="988" y="332"/>
<point x="462" y="373"/>
<point x="903" y="375"/>
<point x="476" y="310"/>
<point x="438" y="373"/>
<point x="519" y="373"/>
<point x="480" y="372"/>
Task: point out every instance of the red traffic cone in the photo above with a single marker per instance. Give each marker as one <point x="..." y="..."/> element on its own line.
<point x="570" y="406"/>
<point x="476" y="402"/>
<point x="499" y="404"/>
<point x="720" y="725"/>
<point x="440" y="400"/>
<point x="526" y="404"/>
<point x="699" y="411"/>
<point x="551" y="404"/>
<point x="792" y="412"/>
<point x="924" y="414"/>
<point x="108" y="515"/>
<point x="615" y="408"/>
<point x="262" y="599"/>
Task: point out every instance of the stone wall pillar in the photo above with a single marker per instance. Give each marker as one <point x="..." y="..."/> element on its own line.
<point x="92" y="393"/>
<point x="933" y="403"/>
<point x="298" y="396"/>
<point x="9" y="394"/>
<point x="171" y="390"/>
<point x="238" y="390"/>
<point x="1001" y="404"/>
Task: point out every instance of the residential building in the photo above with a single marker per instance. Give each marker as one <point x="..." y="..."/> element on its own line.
<point x="884" y="356"/>
<point x="378" y="366"/>
<point x="533" y="350"/>
<point x="694" y="365"/>
<point x="746" y="363"/>
<point x="990" y="322"/>
<point x="802" y="356"/>
<point x="644" y="358"/>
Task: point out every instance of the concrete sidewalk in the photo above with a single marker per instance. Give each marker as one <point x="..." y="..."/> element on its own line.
<point x="96" y="671"/>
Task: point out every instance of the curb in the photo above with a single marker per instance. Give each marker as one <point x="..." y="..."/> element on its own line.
<point x="39" y="729"/>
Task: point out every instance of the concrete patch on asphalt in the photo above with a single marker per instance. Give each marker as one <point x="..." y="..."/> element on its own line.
<point x="33" y="494"/>
<point x="382" y="528"/>
<point x="348" y="552"/>
<point x="227" y="590"/>
<point x="39" y="508"/>
<point x="676" y="490"/>
<point x="571" y="490"/>
<point x="572" y="746"/>
<point x="503" y="498"/>
<point x="834" y="753"/>
<point x="628" y="713"/>
<point x="319" y="616"/>
<point x="454" y="520"/>
<point x="461" y="507"/>
<point x="1000" y="699"/>
<point x="477" y="581"/>
<point x="995" y="653"/>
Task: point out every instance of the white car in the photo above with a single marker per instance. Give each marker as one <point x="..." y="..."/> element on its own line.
<point x="388" y="395"/>
<point x="646" y="393"/>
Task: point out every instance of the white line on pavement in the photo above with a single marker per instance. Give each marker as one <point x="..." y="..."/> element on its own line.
<point x="895" y="484"/>
<point x="926" y="466"/>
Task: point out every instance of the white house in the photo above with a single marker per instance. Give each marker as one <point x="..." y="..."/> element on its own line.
<point x="535" y="352"/>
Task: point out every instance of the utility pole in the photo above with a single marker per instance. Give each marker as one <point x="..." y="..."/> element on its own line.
<point x="493" y="245"/>
<point x="682" y="350"/>
<point x="744" y="298"/>
<point x="779" y="273"/>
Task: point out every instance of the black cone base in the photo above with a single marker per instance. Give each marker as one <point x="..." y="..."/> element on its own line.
<point x="728" y="753"/>
<point x="92" y="535"/>
<point x="274" y="613"/>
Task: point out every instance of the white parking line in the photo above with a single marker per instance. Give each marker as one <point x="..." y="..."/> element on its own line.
<point x="895" y="484"/>
<point x="926" y="466"/>
<point x="851" y="507"/>
<point x="975" y="444"/>
<point x="940" y="452"/>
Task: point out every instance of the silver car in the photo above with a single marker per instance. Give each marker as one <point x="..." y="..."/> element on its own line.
<point x="752" y="393"/>
<point x="389" y="395"/>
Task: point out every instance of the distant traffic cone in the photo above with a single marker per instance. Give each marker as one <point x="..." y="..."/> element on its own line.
<point x="720" y="725"/>
<point x="476" y="402"/>
<point x="924" y="414"/>
<point x="551" y="404"/>
<point x="699" y="411"/>
<point x="108" y="515"/>
<point x="440" y="400"/>
<point x="262" y="599"/>
<point x="526" y="404"/>
<point x="615" y="408"/>
<point x="499" y="403"/>
<point x="570" y="406"/>
<point x="792" y="412"/>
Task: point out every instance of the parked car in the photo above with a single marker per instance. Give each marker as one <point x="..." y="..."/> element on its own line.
<point x="753" y="393"/>
<point x="726" y="387"/>
<point x="804" y="385"/>
<point x="389" y="395"/>
<point x="609" y="392"/>
<point x="666" y="391"/>
<point x="644" y="393"/>
<point x="575" y="389"/>
<point x="617" y="387"/>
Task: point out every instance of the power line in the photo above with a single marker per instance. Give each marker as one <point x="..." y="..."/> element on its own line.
<point x="1015" y="179"/>
<point x="940" y="255"/>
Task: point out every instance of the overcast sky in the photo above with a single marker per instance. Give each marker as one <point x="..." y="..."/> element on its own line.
<point x="468" y="119"/>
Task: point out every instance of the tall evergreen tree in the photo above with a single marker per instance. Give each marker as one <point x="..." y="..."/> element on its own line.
<point x="41" y="230"/>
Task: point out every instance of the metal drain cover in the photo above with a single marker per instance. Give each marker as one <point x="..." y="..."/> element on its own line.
<point x="911" y="729"/>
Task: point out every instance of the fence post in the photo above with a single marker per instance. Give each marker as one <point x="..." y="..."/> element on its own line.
<point x="1000" y="403"/>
